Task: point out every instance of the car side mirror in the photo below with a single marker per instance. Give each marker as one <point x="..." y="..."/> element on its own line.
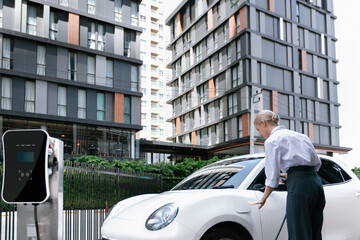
<point x="259" y="187"/>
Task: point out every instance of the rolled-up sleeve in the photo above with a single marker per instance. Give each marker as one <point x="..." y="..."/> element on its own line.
<point x="272" y="164"/>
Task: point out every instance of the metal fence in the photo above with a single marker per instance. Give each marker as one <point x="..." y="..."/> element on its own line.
<point x="89" y="191"/>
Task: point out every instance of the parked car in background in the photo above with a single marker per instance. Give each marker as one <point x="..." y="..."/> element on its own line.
<point x="212" y="203"/>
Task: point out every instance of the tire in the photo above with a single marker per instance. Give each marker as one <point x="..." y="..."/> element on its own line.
<point x="222" y="233"/>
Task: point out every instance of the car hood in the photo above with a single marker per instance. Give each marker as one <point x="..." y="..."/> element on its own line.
<point x="143" y="206"/>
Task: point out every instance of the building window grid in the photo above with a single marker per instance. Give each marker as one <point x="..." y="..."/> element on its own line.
<point x="127" y="44"/>
<point x="134" y="13"/>
<point x="226" y="131"/>
<point x="1" y="13"/>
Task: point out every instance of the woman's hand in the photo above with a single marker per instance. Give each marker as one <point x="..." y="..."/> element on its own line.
<point x="260" y="203"/>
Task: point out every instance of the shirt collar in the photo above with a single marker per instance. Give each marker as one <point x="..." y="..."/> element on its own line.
<point x="277" y="128"/>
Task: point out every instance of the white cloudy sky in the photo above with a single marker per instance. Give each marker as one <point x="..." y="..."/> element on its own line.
<point x="348" y="54"/>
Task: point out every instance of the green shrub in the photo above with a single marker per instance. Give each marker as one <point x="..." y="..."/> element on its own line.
<point x="181" y="169"/>
<point x="357" y="172"/>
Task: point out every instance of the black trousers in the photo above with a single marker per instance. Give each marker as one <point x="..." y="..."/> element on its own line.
<point x="305" y="204"/>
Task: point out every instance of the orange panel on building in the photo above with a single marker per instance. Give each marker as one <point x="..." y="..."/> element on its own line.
<point x="245" y="124"/>
<point x="193" y="138"/>
<point x="274" y="101"/>
<point x="271" y="5"/>
<point x="303" y="61"/>
<point x="311" y="131"/>
<point x="210" y="19"/>
<point x="232" y="26"/>
<point x="73" y="29"/>
<point x="243" y="18"/>
<point x="178" y="24"/>
<point x="119" y="108"/>
<point x="211" y="88"/>
<point x="178" y="125"/>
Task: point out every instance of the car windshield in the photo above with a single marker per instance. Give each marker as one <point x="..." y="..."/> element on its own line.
<point x="224" y="174"/>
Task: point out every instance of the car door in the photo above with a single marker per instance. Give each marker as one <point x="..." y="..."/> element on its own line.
<point x="342" y="209"/>
<point x="272" y="214"/>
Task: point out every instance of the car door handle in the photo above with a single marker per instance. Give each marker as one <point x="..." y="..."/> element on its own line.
<point x="358" y="195"/>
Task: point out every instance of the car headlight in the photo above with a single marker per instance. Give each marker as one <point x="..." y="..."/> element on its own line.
<point x="162" y="217"/>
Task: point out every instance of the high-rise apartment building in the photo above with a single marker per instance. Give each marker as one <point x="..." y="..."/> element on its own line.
<point x="154" y="73"/>
<point x="71" y="67"/>
<point x="234" y="56"/>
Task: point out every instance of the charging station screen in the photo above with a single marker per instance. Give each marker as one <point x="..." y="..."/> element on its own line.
<point x="24" y="169"/>
<point x="26" y="157"/>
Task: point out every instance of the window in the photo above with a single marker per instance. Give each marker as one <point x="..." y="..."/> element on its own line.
<point x="91" y="70"/>
<point x="127" y="43"/>
<point x="240" y="132"/>
<point x="331" y="173"/>
<point x="40" y="60"/>
<point x="217" y="133"/>
<point x="96" y="36"/>
<point x="62" y="101"/>
<point x="212" y="65"/>
<point x="81" y="103"/>
<point x="220" y="61"/>
<point x="232" y="104"/>
<point x="225" y="31"/>
<point x="142" y="18"/>
<point x="198" y="52"/>
<point x="72" y="68"/>
<point x="29" y="96"/>
<point x="64" y="2"/>
<point x="6" y="93"/>
<point x="100" y="107"/>
<point x="127" y="110"/>
<point x="1" y="12"/>
<point x="134" y="13"/>
<point x="109" y="73"/>
<point x="53" y="27"/>
<point x="216" y="39"/>
<point x="31" y="20"/>
<point x="226" y="131"/>
<point x="8" y="53"/>
<point x="228" y="55"/>
<point x="237" y="75"/>
<point x="91" y="6"/>
<point x="134" y="78"/>
<point x="200" y="72"/>
<point x="118" y="10"/>
<point x="238" y="48"/>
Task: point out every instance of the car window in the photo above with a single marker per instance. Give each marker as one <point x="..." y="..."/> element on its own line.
<point x="226" y="174"/>
<point x="331" y="173"/>
<point x="259" y="183"/>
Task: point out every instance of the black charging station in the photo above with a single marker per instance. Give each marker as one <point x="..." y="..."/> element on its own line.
<point x="25" y="177"/>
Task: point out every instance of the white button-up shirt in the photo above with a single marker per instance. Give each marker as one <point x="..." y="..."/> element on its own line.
<point x="284" y="149"/>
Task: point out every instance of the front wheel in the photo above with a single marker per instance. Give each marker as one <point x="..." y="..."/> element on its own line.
<point x="222" y="233"/>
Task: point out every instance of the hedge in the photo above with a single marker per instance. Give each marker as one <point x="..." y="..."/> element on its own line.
<point x="182" y="169"/>
<point x="357" y="172"/>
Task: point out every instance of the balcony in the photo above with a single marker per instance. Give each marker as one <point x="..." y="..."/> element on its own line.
<point x="155" y="85"/>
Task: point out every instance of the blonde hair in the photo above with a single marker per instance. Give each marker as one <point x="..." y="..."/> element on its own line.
<point x="268" y="116"/>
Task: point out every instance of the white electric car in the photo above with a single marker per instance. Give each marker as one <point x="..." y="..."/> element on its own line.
<point x="212" y="204"/>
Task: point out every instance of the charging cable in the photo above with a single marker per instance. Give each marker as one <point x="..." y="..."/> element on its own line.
<point x="36" y="221"/>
